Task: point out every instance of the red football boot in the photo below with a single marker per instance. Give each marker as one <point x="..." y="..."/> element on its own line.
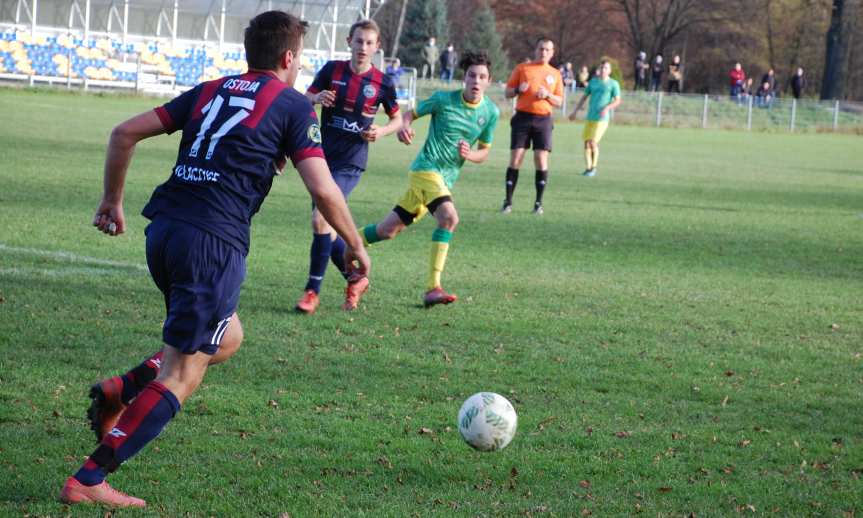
<point x="438" y="296"/>
<point x="75" y="492"/>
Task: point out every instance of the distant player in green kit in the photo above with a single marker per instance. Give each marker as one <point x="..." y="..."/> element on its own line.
<point x="604" y="93"/>
<point x="459" y="119"/>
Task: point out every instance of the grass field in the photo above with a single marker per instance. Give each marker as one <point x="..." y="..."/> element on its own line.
<point x="681" y="334"/>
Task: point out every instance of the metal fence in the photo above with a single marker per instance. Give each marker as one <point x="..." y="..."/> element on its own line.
<point x="659" y="109"/>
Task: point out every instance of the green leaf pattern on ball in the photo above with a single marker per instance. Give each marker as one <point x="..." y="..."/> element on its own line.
<point x="496" y="420"/>
<point x="467" y="419"/>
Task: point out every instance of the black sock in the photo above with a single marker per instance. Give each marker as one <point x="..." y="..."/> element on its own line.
<point x="511" y="181"/>
<point x="541" y="180"/>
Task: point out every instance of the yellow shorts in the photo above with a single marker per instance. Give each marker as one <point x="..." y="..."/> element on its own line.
<point x="594" y="130"/>
<point x="424" y="188"/>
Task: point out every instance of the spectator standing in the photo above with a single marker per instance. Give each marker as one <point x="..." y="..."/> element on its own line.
<point x="430" y="57"/>
<point x="797" y="83"/>
<point x="568" y="75"/>
<point x="675" y="74"/>
<point x="394" y="70"/>
<point x="640" y="75"/>
<point x="738" y="80"/>
<point x="583" y="77"/>
<point x="448" y="62"/>
<point x="656" y="74"/>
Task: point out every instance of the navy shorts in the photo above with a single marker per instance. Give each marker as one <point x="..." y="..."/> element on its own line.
<point x="529" y="128"/>
<point x="200" y="276"/>
<point x="346" y="177"/>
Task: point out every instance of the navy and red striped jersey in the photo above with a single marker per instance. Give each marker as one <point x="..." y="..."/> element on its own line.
<point x="358" y="97"/>
<point x="235" y="129"/>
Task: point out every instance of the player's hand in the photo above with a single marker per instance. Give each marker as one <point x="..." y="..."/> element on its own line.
<point x="574" y="115"/>
<point x="370" y="134"/>
<point x="542" y="93"/>
<point x="358" y="262"/>
<point x="406" y="135"/>
<point x="603" y="112"/>
<point x="523" y="87"/>
<point x="463" y="149"/>
<point x="109" y="218"/>
<point x="326" y="98"/>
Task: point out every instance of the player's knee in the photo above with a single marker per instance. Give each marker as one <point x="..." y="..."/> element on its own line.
<point x="230" y="343"/>
<point x="449" y="221"/>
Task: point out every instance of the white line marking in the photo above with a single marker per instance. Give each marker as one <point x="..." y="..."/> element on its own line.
<point x="70" y="257"/>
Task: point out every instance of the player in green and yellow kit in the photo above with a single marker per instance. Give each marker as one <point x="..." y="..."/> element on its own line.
<point x="459" y="119"/>
<point x="604" y="94"/>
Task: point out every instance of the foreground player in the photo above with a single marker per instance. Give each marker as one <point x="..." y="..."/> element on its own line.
<point x="604" y="93"/>
<point x="459" y="119"/>
<point x="236" y="130"/>
<point x="539" y="89"/>
<point x="350" y="92"/>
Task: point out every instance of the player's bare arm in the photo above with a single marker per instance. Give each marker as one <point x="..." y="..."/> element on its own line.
<point x="406" y="133"/>
<point x="574" y="114"/>
<point x="330" y="202"/>
<point x="326" y="98"/>
<point x="476" y="156"/>
<point x="373" y="132"/>
<point x="121" y="146"/>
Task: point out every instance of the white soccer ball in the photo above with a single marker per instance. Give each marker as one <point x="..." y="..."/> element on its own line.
<point x="487" y="421"/>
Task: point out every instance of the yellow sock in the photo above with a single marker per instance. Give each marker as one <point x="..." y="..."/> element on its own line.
<point x="595" y="157"/>
<point x="438" y="258"/>
<point x="588" y="157"/>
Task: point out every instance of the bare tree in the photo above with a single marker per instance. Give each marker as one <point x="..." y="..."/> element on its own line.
<point x="651" y="25"/>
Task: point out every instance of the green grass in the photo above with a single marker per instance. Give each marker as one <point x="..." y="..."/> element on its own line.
<point x="702" y="294"/>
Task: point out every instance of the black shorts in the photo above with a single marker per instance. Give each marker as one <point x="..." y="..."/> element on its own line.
<point x="527" y="128"/>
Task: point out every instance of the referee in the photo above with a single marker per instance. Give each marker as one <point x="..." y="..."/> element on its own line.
<point x="538" y="89"/>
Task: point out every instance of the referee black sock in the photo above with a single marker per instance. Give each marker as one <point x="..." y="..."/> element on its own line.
<point x="511" y="181"/>
<point x="541" y="180"/>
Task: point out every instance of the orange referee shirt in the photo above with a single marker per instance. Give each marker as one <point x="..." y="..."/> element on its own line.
<point x="535" y="75"/>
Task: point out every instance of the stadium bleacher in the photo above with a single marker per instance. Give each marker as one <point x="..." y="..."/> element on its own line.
<point x="110" y="60"/>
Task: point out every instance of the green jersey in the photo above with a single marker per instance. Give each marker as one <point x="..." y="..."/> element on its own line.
<point x="453" y="119"/>
<point x="601" y="94"/>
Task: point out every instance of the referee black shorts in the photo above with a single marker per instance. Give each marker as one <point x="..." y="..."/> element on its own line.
<point x="528" y="128"/>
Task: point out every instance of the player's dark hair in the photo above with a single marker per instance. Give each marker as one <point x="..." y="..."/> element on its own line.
<point x="542" y="39"/>
<point x="469" y="59"/>
<point x="271" y="34"/>
<point x="365" y="25"/>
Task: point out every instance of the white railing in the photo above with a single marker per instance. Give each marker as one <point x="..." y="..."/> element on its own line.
<point x="640" y="108"/>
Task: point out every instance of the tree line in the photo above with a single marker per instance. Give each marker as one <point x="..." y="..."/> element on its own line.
<point x="824" y="37"/>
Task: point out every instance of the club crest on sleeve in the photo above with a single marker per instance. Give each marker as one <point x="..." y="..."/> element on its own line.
<point x="481" y="121"/>
<point x="369" y="91"/>
<point x="314" y="133"/>
<point x="549" y="79"/>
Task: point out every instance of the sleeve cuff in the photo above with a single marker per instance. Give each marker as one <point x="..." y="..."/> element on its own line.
<point x="165" y="119"/>
<point x="309" y="152"/>
<point x="394" y="111"/>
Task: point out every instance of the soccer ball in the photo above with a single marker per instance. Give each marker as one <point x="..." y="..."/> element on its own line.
<point x="487" y="421"/>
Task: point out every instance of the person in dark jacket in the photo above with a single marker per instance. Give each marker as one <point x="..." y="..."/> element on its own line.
<point x="797" y="83"/>
<point x="656" y="74"/>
